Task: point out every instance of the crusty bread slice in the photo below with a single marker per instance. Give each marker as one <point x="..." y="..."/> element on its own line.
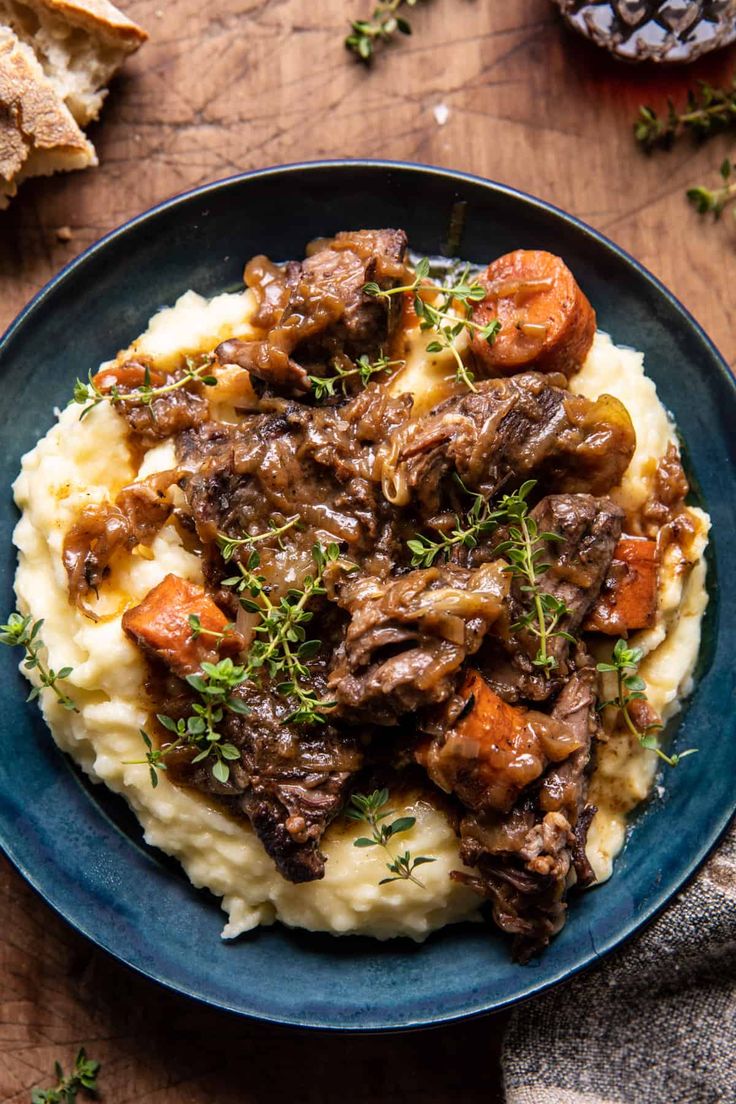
<point x="38" y="135"/>
<point x="78" y="43"/>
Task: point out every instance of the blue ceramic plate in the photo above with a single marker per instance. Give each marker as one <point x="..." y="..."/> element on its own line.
<point x="80" y="847"/>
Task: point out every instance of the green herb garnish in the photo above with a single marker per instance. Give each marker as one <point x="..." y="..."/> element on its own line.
<point x="446" y="325"/>
<point x="383" y="24"/>
<point x="708" y="111"/>
<point x="524" y="549"/>
<point x="25" y="632"/>
<point x="479" y="519"/>
<point x="89" y="394"/>
<point x="83" y="1078"/>
<point x="369" y="809"/>
<point x="198" y="629"/>
<point x="282" y="648"/>
<point x="215" y="687"/>
<point x="229" y="545"/>
<point x="324" y="386"/>
<point x="631" y="687"/>
<point x="715" y="200"/>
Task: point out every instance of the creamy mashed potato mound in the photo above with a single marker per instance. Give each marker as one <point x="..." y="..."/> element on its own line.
<point x="79" y="463"/>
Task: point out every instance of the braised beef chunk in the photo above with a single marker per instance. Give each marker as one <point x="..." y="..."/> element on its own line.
<point x="159" y="416"/>
<point x="408" y="637"/>
<point x="322" y="310"/>
<point x="364" y="605"/>
<point x="294" y="460"/>
<point x="292" y="782"/>
<point x="527" y="861"/>
<point x="136" y="516"/>
<point x="511" y="429"/>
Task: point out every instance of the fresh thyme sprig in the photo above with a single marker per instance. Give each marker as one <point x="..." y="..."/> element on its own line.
<point x="324" y="386"/>
<point x="282" y="648"/>
<point x="631" y="687"/>
<point x="25" y="632"/>
<point x="524" y="549"/>
<point x="370" y="809"/>
<point x="479" y="519"/>
<point x="365" y="34"/>
<point x="229" y="545"/>
<point x="83" y="1078"/>
<point x="89" y="394"/>
<point x="715" y="200"/>
<point x="201" y="730"/>
<point x="708" y="111"/>
<point x="198" y="629"/>
<point x="442" y="317"/>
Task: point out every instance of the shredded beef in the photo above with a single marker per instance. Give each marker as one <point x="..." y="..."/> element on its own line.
<point x="416" y="665"/>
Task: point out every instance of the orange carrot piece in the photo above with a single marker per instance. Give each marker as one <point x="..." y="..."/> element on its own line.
<point x="160" y="626"/>
<point x="628" y="598"/>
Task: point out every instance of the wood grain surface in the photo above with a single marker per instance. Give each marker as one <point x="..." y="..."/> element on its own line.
<point x="230" y="85"/>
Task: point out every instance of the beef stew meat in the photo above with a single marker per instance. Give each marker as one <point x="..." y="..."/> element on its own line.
<point x="321" y="640"/>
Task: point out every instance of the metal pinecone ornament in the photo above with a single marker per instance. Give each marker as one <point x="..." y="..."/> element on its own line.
<point x="646" y="30"/>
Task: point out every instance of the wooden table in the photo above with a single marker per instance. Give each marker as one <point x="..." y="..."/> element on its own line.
<point x="235" y="84"/>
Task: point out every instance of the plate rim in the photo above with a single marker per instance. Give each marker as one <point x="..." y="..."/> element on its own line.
<point x="659" y="899"/>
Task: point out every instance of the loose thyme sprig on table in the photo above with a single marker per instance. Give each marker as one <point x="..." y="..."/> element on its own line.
<point x="383" y="24"/>
<point x="524" y="549"/>
<point x="200" y="730"/>
<point x="324" y="386"/>
<point x="89" y="394"/>
<point x="282" y="647"/>
<point x="708" y="111"/>
<point x="631" y="687"/>
<point x="714" y="201"/>
<point x="370" y="809"/>
<point x="479" y="519"/>
<point x="439" y="318"/>
<point x="83" y="1078"/>
<point x="25" y="632"/>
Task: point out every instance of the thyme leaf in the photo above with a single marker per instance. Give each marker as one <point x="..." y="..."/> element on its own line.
<point x="714" y="201"/>
<point x="25" y="633"/>
<point x="83" y="1078"/>
<point x="229" y="545"/>
<point x="366" y="34"/>
<point x="524" y="549"/>
<point x="709" y="110"/>
<point x="281" y="646"/>
<point x="631" y="687"/>
<point x="215" y="688"/>
<point x="89" y="395"/>
<point x="447" y="313"/>
<point x="479" y="519"/>
<point x="324" y="386"/>
<point x="371" y="809"/>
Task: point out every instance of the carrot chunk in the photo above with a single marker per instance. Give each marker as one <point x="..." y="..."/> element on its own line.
<point x="128" y="376"/>
<point x="628" y="597"/>
<point x="494" y="750"/>
<point x="160" y="626"/>
<point x="547" y="324"/>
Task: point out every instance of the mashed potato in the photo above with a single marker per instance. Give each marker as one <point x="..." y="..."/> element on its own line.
<point x="79" y="463"/>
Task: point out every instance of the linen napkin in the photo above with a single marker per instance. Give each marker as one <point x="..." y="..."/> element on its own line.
<point x="655" y="1023"/>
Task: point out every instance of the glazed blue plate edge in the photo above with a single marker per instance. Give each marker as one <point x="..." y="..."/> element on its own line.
<point x="658" y="901"/>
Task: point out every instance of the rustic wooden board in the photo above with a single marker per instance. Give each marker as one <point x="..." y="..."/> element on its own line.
<point x="236" y="84"/>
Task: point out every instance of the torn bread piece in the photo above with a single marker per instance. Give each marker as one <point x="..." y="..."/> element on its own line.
<point x="79" y="45"/>
<point x="38" y="135"/>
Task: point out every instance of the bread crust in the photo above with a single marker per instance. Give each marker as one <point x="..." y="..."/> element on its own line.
<point x="98" y="17"/>
<point x="32" y="117"/>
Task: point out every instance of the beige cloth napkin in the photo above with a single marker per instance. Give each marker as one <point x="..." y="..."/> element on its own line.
<point x="655" y="1023"/>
